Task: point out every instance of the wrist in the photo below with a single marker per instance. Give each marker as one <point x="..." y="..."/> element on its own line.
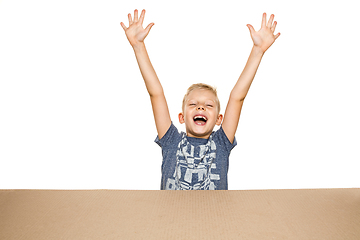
<point x="258" y="51"/>
<point x="139" y="46"/>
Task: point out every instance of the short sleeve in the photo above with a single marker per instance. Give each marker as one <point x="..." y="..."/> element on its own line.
<point x="224" y="140"/>
<point x="172" y="135"/>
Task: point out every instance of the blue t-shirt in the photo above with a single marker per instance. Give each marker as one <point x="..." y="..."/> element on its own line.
<point x="194" y="163"/>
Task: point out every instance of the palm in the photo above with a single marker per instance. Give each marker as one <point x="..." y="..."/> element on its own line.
<point x="135" y="33"/>
<point x="265" y="37"/>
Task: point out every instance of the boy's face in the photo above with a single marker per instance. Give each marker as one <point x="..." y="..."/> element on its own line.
<point x="200" y="113"/>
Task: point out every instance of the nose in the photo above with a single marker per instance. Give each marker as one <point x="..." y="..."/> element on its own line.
<point x="200" y="108"/>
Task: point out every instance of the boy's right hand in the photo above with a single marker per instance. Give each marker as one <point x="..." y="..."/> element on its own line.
<point x="135" y="33"/>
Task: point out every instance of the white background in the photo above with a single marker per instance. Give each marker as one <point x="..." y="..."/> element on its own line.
<point x="75" y="114"/>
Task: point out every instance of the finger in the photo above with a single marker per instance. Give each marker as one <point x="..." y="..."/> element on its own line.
<point x="135" y="15"/>
<point x="123" y="26"/>
<point x="277" y="35"/>
<point x="271" y="19"/>
<point x="251" y="29"/>
<point x="263" y="23"/>
<point x="273" y="27"/>
<point x="130" y="19"/>
<point x="147" y="29"/>
<point x="141" y="19"/>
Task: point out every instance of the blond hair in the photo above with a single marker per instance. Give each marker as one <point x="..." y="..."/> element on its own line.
<point x="201" y="86"/>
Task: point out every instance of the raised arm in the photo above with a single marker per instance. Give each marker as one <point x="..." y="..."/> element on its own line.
<point x="262" y="39"/>
<point x="136" y="35"/>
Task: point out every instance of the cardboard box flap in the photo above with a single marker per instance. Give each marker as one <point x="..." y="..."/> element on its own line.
<point x="124" y="214"/>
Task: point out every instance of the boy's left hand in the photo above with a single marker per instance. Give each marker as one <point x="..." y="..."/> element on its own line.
<point x="265" y="37"/>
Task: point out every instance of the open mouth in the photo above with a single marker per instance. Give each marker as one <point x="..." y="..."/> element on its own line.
<point x="200" y="120"/>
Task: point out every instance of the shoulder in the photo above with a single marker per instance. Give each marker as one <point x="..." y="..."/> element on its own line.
<point x="171" y="136"/>
<point x="222" y="140"/>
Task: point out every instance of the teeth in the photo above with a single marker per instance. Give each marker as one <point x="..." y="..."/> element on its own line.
<point x="197" y="117"/>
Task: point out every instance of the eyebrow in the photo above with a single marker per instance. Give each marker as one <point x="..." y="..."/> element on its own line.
<point x="207" y="100"/>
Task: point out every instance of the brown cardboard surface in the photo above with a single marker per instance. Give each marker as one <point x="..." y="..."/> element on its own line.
<point x="124" y="214"/>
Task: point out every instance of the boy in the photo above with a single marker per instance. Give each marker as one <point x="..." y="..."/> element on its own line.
<point x="197" y="159"/>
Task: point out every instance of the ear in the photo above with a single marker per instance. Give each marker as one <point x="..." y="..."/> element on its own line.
<point x="181" y="118"/>
<point x="219" y="120"/>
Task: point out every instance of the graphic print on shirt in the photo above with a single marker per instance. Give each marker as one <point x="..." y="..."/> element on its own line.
<point x="194" y="166"/>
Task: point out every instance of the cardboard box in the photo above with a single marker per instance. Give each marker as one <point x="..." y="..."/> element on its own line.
<point x="124" y="214"/>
